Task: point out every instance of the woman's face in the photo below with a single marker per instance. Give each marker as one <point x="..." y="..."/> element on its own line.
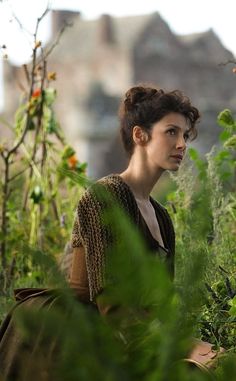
<point x="167" y="144"/>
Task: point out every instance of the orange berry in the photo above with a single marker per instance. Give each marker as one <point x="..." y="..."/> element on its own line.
<point x="36" y="93"/>
<point x="72" y="161"/>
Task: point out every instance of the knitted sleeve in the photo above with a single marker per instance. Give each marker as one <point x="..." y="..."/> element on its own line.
<point x="89" y="232"/>
<point x="76" y="239"/>
<point x="94" y="233"/>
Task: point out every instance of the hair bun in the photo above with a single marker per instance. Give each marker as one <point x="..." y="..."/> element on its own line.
<point x="138" y="94"/>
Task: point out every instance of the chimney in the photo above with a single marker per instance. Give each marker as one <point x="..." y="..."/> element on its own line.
<point x="61" y="17"/>
<point x="106" y="29"/>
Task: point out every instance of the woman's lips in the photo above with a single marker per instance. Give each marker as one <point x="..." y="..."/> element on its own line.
<point x="179" y="157"/>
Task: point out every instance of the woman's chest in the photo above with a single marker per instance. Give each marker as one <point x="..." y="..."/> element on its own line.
<point x="148" y="213"/>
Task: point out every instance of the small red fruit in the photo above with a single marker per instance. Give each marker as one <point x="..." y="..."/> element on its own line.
<point x="72" y="161"/>
<point x="36" y="93"/>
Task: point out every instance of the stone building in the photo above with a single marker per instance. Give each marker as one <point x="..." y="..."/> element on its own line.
<point x="98" y="60"/>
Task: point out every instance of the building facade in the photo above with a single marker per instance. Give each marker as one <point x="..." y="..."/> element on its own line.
<point x="98" y="60"/>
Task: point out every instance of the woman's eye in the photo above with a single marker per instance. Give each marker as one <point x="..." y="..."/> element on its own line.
<point x="186" y="137"/>
<point x="172" y="131"/>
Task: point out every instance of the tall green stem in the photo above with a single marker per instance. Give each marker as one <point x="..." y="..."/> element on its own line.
<point x="5" y="195"/>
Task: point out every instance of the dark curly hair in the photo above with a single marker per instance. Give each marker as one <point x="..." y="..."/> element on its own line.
<point x="143" y="106"/>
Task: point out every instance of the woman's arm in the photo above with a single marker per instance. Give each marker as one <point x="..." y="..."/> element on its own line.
<point x="78" y="274"/>
<point x="79" y="282"/>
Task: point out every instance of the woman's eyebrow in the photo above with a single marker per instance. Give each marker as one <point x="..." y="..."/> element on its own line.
<point x="173" y="125"/>
<point x="176" y="126"/>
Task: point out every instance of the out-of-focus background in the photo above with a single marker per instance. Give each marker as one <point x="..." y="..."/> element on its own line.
<point x="109" y="47"/>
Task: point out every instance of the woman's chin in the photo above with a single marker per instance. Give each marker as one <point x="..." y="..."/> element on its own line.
<point x="174" y="167"/>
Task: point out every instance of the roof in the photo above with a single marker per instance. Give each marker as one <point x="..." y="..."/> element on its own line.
<point x="84" y="38"/>
<point x="206" y="42"/>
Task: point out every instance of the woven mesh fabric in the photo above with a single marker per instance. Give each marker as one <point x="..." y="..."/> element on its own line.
<point x="96" y="237"/>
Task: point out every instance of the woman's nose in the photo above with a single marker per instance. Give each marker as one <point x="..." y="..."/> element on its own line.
<point x="181" y="143"/>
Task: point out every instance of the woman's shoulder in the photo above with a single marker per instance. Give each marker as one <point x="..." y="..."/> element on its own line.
<point x="109" y="191"/>
<point x="113" y="182"/>
<point x="93" y="187"/>
<point x="110" y="185"/>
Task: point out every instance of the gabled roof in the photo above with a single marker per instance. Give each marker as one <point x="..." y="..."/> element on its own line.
<point x="84" y="38"/>
<point x="206" y="45"/>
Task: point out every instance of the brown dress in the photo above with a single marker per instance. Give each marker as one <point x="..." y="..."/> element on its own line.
<point x="90" y="239"/>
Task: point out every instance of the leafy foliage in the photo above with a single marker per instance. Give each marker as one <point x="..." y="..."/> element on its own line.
<point x="151" y="330"/>
<point x="41" y="213"/>
<point x="203" y="208"/>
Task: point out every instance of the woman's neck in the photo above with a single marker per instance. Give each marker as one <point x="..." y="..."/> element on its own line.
<point x="140" y="178"/>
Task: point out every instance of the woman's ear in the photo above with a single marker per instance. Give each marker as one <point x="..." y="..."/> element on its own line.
<point x="140" y="136"/>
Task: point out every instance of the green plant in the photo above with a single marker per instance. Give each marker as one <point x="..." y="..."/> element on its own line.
<point x="153" y="331"/>
<point x="35" y="197"/>
<point x="203" y="210"/>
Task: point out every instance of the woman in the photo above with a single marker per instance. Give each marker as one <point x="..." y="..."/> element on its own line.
<point x="155" y="126"/>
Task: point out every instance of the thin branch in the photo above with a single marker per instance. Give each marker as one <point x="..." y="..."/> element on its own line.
<point x="231" y="292"/>
<point x="212" y="292"/>
<point x="19" y="22"/>
<point x="36" y="133"/>
<point x="227" y="62"/>
<point x="44" y="148"/>
<point x="223" y="270"/>
<point x="4" y="217"/>
<point x="43" y="14"/>
<point x="54" y="205"/>
<point x="26" y="71"/>
<point x="9" y="192"/>
<point x="14" y="149"/>
<point x="57" y="40"/>
<point x="23" y="170"/>
<point x="39" y="19"/>
<point x="60" y="137"/>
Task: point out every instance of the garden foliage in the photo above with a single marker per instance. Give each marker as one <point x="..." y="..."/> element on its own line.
<point x="151" y="331"/>
<point x="37" y="198"/>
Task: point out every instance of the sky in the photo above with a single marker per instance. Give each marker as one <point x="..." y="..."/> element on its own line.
<point x="183" y="17"/>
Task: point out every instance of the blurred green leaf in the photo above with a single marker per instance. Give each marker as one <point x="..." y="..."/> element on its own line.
<point x="68" y="151"/>
<point x="222" y="155"/>
<point x="231" y="142"/>
<point x="224" y="135"/>
<point x="193" y="154"/>
<point x="49" y="96"/>
<point x="20" y="119"/>
<point x="225" y="119"/>
<point x="232" y="310"/>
